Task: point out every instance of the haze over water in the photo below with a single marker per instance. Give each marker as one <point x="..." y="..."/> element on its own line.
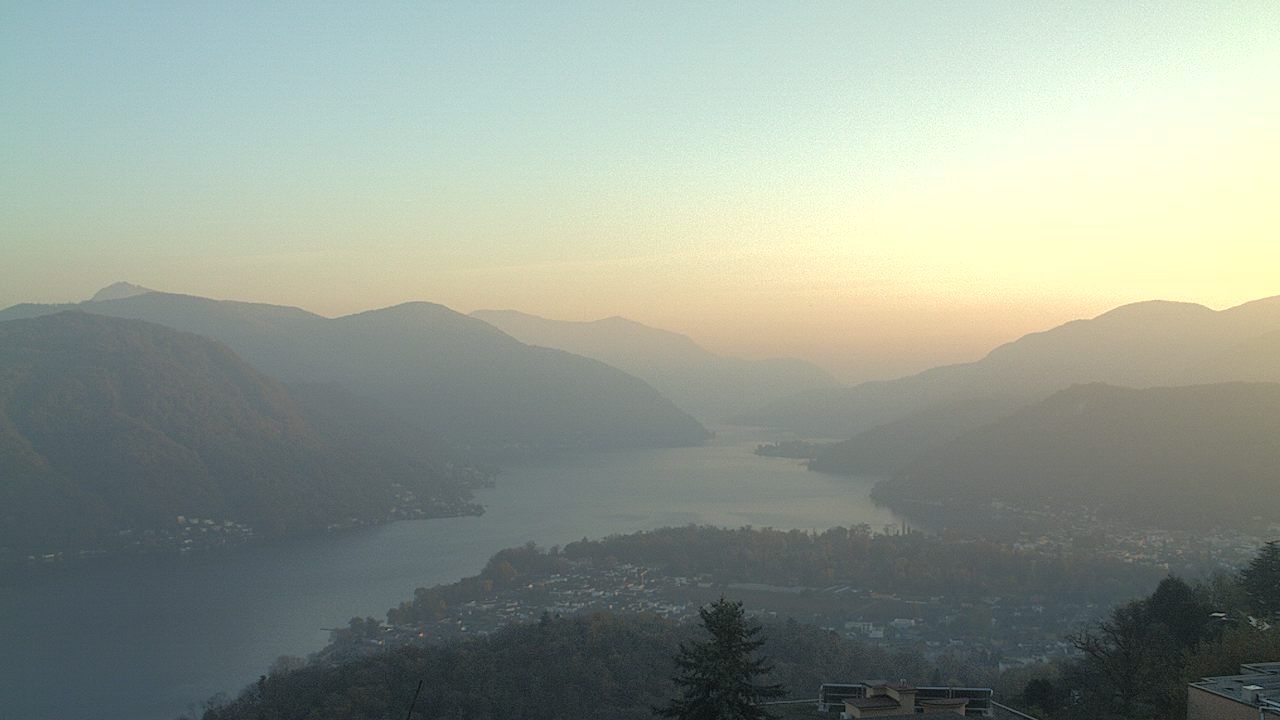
<point x="1017" y="259"/>
<point x="143" y="638"/>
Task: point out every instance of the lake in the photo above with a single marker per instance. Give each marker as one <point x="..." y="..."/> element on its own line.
<point x="145" y="638"/>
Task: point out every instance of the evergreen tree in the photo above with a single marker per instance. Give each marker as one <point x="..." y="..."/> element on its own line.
<point x="718" y="677"/>
<point x="1175" y="605"/>
<point x="1261" y="581"/>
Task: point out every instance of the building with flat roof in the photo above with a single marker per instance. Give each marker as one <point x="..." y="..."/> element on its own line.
<point x="885" y="700"/>
<point x="1254" y="694"/>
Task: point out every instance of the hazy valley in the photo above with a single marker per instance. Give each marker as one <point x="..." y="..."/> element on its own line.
<point x="127" y="431"/>
<point x="124" y="435"/>
<point x="696" y="361"/>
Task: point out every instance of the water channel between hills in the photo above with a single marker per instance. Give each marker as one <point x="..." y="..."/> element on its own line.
<point x="144" y="638"/>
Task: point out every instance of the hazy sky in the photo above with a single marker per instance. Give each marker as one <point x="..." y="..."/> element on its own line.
<point x="855" y="182"/>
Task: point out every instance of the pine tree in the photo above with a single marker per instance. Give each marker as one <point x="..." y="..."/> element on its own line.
<point x="718" y="677"/>
<point x="1261" y="581"/>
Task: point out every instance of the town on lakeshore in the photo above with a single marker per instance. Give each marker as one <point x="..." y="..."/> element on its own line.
<point x="985" y="626"/>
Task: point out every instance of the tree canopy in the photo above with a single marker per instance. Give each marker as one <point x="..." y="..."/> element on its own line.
<point x="1137" y="662"/>
<point x="1261" y="581"/>
<point x="718" y="678"/>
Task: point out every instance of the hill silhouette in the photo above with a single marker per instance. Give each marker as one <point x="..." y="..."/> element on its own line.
<point x="119" y="291"/>
<point x="456" y="376"/>
<point x="1193" y="456"/>
<point x="1147" y="344"/>
<point x="110" y="425"/>
<point x="888" y="448"/>
<point x="710" y="386"/>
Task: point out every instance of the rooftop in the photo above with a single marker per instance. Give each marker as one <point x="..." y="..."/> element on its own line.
<point x="807" y="710"/>
<point x="879" y="702"/>
<point x="1260" y="678"/>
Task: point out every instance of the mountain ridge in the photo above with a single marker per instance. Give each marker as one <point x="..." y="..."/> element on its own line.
<point x="454" y="375"/>
<point x="110" y="425"/>
<point x="1144" y="344"/>
<point x="704" y="383"/>
<point x="1188" y="456"/>
<point x="119" y="291"/>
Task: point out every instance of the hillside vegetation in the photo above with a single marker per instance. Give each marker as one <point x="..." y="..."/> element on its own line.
<point x="889" y="448"/>
<point x="110" y="426"/>
<point x="599" y="666"/>
<point x="1178" y="457"/>
<point x="1147" y="344"/>
<point x="456" y="376"/>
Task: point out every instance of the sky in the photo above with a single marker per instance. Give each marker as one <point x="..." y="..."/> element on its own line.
<point x="878" y="187"/>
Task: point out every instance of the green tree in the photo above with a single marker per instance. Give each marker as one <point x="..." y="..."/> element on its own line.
<point x="1043" y="694"/>
<point x="1176" y="605"/>
<point x="1261" y="581"/>
<point x="1125" y="660"/>
<point x="718" y="678"/>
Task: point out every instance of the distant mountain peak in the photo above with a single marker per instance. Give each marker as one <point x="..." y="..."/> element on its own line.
<point x="1156" y="308"/>
<point x="119" y="291"/>
<point x="419" y="311"/>
<point x="701" y="381"/>
<point x="412" y="307"/>
<point x="1265" y="310"/>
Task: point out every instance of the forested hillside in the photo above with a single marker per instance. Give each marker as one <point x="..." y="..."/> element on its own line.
<point x="1145" y="344"/>
<point x="1137" y="662"/>
<point x="456" y="376"/>
<point x="111" y="427"/>
<point x="600" y="666"/>
<point x="887" y="449"/>
<point x="1176" y="457"/>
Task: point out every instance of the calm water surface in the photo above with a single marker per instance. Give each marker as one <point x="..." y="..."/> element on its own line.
<point x="144" y="639"/>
